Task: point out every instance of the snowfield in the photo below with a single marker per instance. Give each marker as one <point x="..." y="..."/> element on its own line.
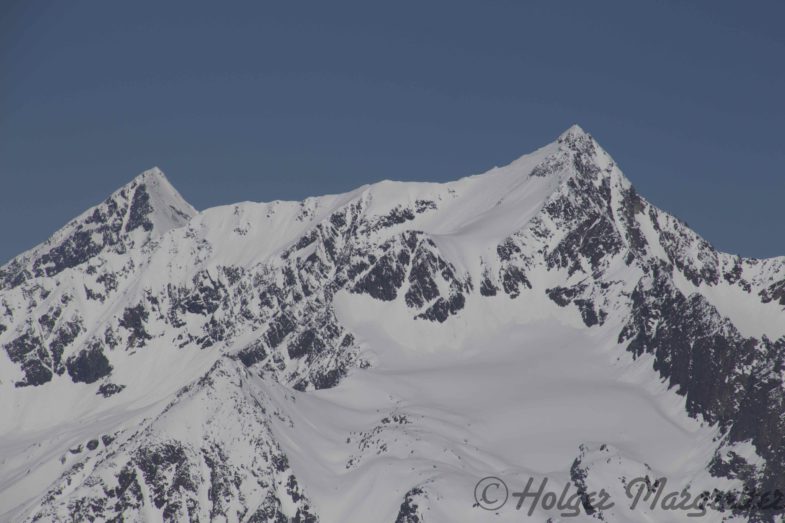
<point x="371" y="356"/>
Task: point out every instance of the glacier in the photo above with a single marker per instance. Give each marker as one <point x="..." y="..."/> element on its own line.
<point x="370" y="356"/>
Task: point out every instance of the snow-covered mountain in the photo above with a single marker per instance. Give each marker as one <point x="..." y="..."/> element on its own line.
<point x="369" y="356"/>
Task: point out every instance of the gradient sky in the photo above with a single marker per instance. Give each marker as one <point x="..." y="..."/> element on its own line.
<point x="281" y="100"/>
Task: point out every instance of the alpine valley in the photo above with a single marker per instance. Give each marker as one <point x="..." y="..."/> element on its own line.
<point x="370" y="356"/>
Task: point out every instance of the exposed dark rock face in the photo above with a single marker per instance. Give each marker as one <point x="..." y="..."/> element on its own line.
<point x="166" y="468"/>
<point x="307" y="342"/>
<point x="410" y="511"/>
<point x="415" y="254"/>
<point x="578" y="475"/>
<point x="184" y="481"/>
<point x="28" y="351"/>
<point x="727" y="379"/>
<point x="590" y="313"/>
<point x="279" y="329"/>
<point x="287" y="302"/>
<point x="89" y="365"/>
<point x="140" y="210"/>
<point x="443" y="309"/>
<point x="563" y="296"/>
<point x="109" y="389"/>
<point x="549" y="167"/>
<point x="204" y="297"/>
<point x="60" y="340"/>
<point x="595" y="248"/>
<point x="395" y="217"/>
<point x="38" y="363"/>
<point x="253" y="353"/>
<point x="105" y="229"/>
<point x="385" y="277"/>
<point x="134" y="319"/>
<point x="73" y="251"/>
<point x="487" y="288"/>
<point x="775" y="292"/>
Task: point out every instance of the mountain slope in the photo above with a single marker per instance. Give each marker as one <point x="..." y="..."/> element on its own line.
<point x="546" y="288"/>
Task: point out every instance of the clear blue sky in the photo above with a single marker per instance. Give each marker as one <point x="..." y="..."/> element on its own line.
<point x="281" y="100"/>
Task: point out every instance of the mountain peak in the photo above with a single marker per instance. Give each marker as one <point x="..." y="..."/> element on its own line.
<point x="574" y="132"/>
<point x="143" y="209"/>
<point x="155" y="200"/>
<point x="154" y="173"/>
<point x="155" y="181"/>
<point x="152" y="365"/>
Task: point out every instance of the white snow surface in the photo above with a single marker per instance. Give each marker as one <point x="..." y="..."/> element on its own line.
<point x="514" y="388"/>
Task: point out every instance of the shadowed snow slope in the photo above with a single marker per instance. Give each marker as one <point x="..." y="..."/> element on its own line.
<point x="370" y="356"/>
